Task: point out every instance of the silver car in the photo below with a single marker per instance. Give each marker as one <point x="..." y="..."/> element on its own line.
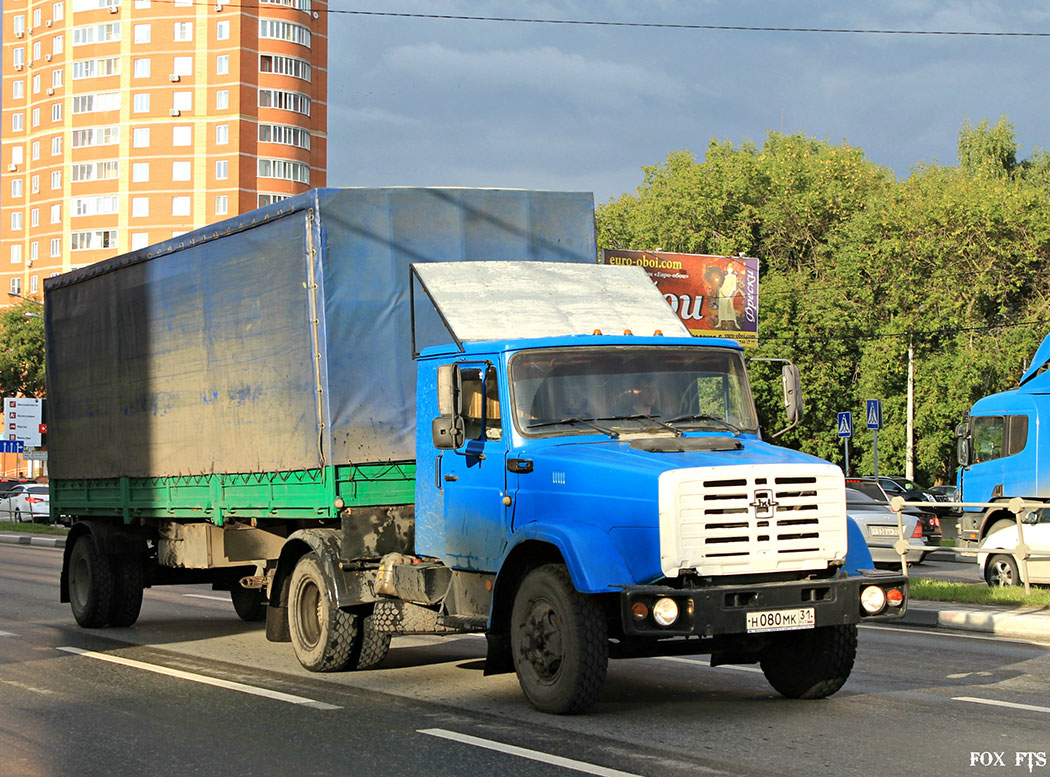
<point x="879" y="525"/>
<point x="27" y="503"/>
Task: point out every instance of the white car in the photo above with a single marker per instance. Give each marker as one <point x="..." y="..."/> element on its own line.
<point x="26" y="502"/>
<point x="998" y="566"/>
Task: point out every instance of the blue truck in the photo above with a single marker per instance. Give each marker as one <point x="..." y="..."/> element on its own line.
<point x="1000" y="450"/>
<point x="379" y="412"/>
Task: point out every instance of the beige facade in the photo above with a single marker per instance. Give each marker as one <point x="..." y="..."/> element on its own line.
<point x="128" y="122"/>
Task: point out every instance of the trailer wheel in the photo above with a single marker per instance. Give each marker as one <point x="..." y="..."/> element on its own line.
<point x="559" y="642"/>
<point x="1001" y="571"/>
<point x="810" y="664"/>
<point x="128" y="582"/>
<point x="250" y="603"/>
<point x="90" y="584"/>
<point x="323" y="636"/>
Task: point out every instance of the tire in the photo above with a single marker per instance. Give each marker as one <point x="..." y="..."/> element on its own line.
<point x="810" y="664"/>
<point x="559" y="642"/>
<point x="1001" y="571"/>
<point x="18" y="516"/>
<point x="371" y="646"/>
<point x="128" y="582"/>
<point x="90" y="584"/>
<point x="250" y="603"/>
<point x="323" y="636"/>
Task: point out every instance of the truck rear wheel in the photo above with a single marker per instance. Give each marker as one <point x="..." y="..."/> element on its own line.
<point x="372" y="646"/>
<point x="810" y="664"/>
<point x="250" y="603"/>
<point x="90" y="584"/>
<point x="559" y="642"/>
<point x="128" y="582"/>
<point x="323" y="636"/>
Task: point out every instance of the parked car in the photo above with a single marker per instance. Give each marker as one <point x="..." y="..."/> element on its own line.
<point x="1000" y="568"/>
<point x="6" y="484"/>
<point x="914" y="492"/>
<point x="879" y="525"/>
<point x="876" y="489"/>
<point x="26" y="502"/>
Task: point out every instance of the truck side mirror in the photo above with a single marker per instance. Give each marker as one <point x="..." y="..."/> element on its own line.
<point x="792" y="393"/>
<point x="448" y="430"/>
<point x="962" y="445"/>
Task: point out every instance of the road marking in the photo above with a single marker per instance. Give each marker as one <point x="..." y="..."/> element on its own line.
<point x="205" y="596"/>
<point x="1008" y="704"/>
<point x="957" y="635"/>
<point x="203" y="679"/>
<point x="7" y="634"/>
<point x="521" y="752"/>
<point x="694" y="662"/>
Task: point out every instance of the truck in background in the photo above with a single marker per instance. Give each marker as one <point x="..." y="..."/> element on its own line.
<point x="560" y="467"/>
<point x="1002" y="451"/>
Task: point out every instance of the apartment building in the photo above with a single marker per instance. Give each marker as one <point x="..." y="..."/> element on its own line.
<point x="128" y="122"/>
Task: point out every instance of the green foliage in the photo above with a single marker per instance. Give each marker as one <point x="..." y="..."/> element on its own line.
<point x="856" y="266"/>
<point x="22" y="351"/>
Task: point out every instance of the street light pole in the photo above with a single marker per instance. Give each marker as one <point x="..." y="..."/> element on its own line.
<point x="25" y="299"/>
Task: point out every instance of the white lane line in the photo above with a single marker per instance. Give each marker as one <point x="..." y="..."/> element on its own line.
<point x="946" y="633"/>
<point x="1007" y="704"/>
<point x="203" y="679"/>
<point x="205" y="596"/>
<point x="694" y="662"/>
<point x="7" y="634"/>
<point x="521" y="752"/>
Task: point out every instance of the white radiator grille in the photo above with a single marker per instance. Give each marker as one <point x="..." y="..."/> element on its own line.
<point x="752" y="519"/>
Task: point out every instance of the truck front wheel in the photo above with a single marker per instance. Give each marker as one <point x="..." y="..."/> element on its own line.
<point x="559" y="642"/>
<point x="90" y="584"/>
<point x="810" y="664"/>
<point x="323" y="636"/>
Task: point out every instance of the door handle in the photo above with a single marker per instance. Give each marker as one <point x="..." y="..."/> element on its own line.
<point x="451" y="478"/>
<point x="519" y="466"/>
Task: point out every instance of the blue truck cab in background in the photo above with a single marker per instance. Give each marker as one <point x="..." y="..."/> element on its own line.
<point x="1002" y="451"/>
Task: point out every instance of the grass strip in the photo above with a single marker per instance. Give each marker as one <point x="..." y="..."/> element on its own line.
<point x="977" y="593"/>
<point x="10" y="527"/>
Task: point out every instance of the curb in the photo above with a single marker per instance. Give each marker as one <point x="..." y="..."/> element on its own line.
<point x="33" y="539"/>
<point x="1024" y="622"/>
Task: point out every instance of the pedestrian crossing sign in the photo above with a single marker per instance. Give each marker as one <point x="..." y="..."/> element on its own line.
<point x="845" y="424"/>
<point x="874" y="413"/>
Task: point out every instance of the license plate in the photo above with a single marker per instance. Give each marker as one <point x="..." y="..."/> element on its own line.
<point x="883" y="531"/>
<point x="781" y="620"/>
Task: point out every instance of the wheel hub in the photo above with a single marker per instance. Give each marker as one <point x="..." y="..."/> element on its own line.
<point x="542" y="643"/>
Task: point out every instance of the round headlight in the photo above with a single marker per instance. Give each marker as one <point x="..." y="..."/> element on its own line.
<point x="873" y="599"/>
<point x="665" y="611"/>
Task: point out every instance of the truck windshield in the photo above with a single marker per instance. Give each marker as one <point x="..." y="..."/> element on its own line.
<point x="614" y="390"/>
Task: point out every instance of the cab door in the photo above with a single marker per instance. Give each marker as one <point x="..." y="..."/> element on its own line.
<point x="474" y="476"/>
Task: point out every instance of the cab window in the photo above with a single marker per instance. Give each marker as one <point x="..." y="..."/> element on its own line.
<point x="997" y="436"/>
<point x="481" y="408"/>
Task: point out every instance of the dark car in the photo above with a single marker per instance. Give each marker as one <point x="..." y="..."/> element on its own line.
<point x="876" y="489"/>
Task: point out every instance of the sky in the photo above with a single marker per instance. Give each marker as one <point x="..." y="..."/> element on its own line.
<point x="433" y="102"/>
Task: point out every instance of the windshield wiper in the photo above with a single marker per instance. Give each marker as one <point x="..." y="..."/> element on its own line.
<point x="572" y="422"/>
<point x="641" y="417"/>
<point x="705" y="417"/>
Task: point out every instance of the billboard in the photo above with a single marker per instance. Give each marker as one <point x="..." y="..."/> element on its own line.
<point x="23" y="420"/>
<point x="715" y="296"/>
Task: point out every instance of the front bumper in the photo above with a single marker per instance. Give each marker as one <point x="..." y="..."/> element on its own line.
<point x="724" y="610"/>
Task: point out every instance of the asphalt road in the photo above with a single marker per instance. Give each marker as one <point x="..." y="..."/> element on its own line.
<point x="198" y="692"/>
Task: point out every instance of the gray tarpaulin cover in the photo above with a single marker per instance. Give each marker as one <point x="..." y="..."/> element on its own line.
<point x="545" y="299"/>
<point x="278" y="340"/>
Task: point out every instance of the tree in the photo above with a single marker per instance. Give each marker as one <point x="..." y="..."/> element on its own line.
<point x="988" y="151"/>
<point x="22" y="351"/>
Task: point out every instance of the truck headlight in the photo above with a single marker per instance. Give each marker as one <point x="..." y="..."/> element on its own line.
<point x="665" y="611"/>
<point x="873" y="599"/>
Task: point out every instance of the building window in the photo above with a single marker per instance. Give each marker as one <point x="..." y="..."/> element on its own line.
<point x="140" y="207"/>
<point x="96" y="68"/>
<point x="222" y="31"/>
<point x="182" y="136"/>
<point x="56" y="112"/>
<point x="222" y="169"/>
<point x="142" y="3"/>
<point x="139" y="240"/>
<point x="17" y="154"/>
<point x="16" y="221"/>
<point x="18" y="90"/>
<point x="284" y="100"/>
<point x="16" y="187"/>
<point x="34" y="282"/>
<point x="16" y="254"/>
<point x="58" y="11"/>
<point x="222" y="134"/>
<point x="141" y="103"/>
<point x="37" y="17"/>
<point x="301" y="5"/>
<point x="56" y="145"/>
<point x="273" y="29"/>
<point x="181" y="171"/>
<point x="56" y="214"/>
<point x="222" y="65"/>
<point x="284" y="169"/>
<point x="183" y="32"/>
<point x="222" y="99"/>
<point x="35" y="152"/>
<point x="95" y="171"/>
<point x="56" y="78"/>
<point x="18" y="57"/>
<point x="182" y="66"/>
<point x="18" y="121"/>
<point x="37" y="53"/>
<point x="34" y="217"/>
<point x="96" y="103"/>
<point x="180" y="206"/>
<point x="56" y="246"/>
<point x="140" y="172"/>
<point x="34" y="184"/>
<point x="35" y="117"/>
<point x="18" y="25"/>
<point x="140" y="137"/>
<point x="94" y="206"/>
<point x="90" y="241"/>
<point x="142" y="68"/>
<point x="96" y="136"/>
<point x="182" y="101"/>
<point x="221" y="205"/>
<point x="34" y="251"/>
<point x="142" y="33"/>
<point x="16" y="285"/>
<point x="92" y="33"/>
<point x="56" y="179"/>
